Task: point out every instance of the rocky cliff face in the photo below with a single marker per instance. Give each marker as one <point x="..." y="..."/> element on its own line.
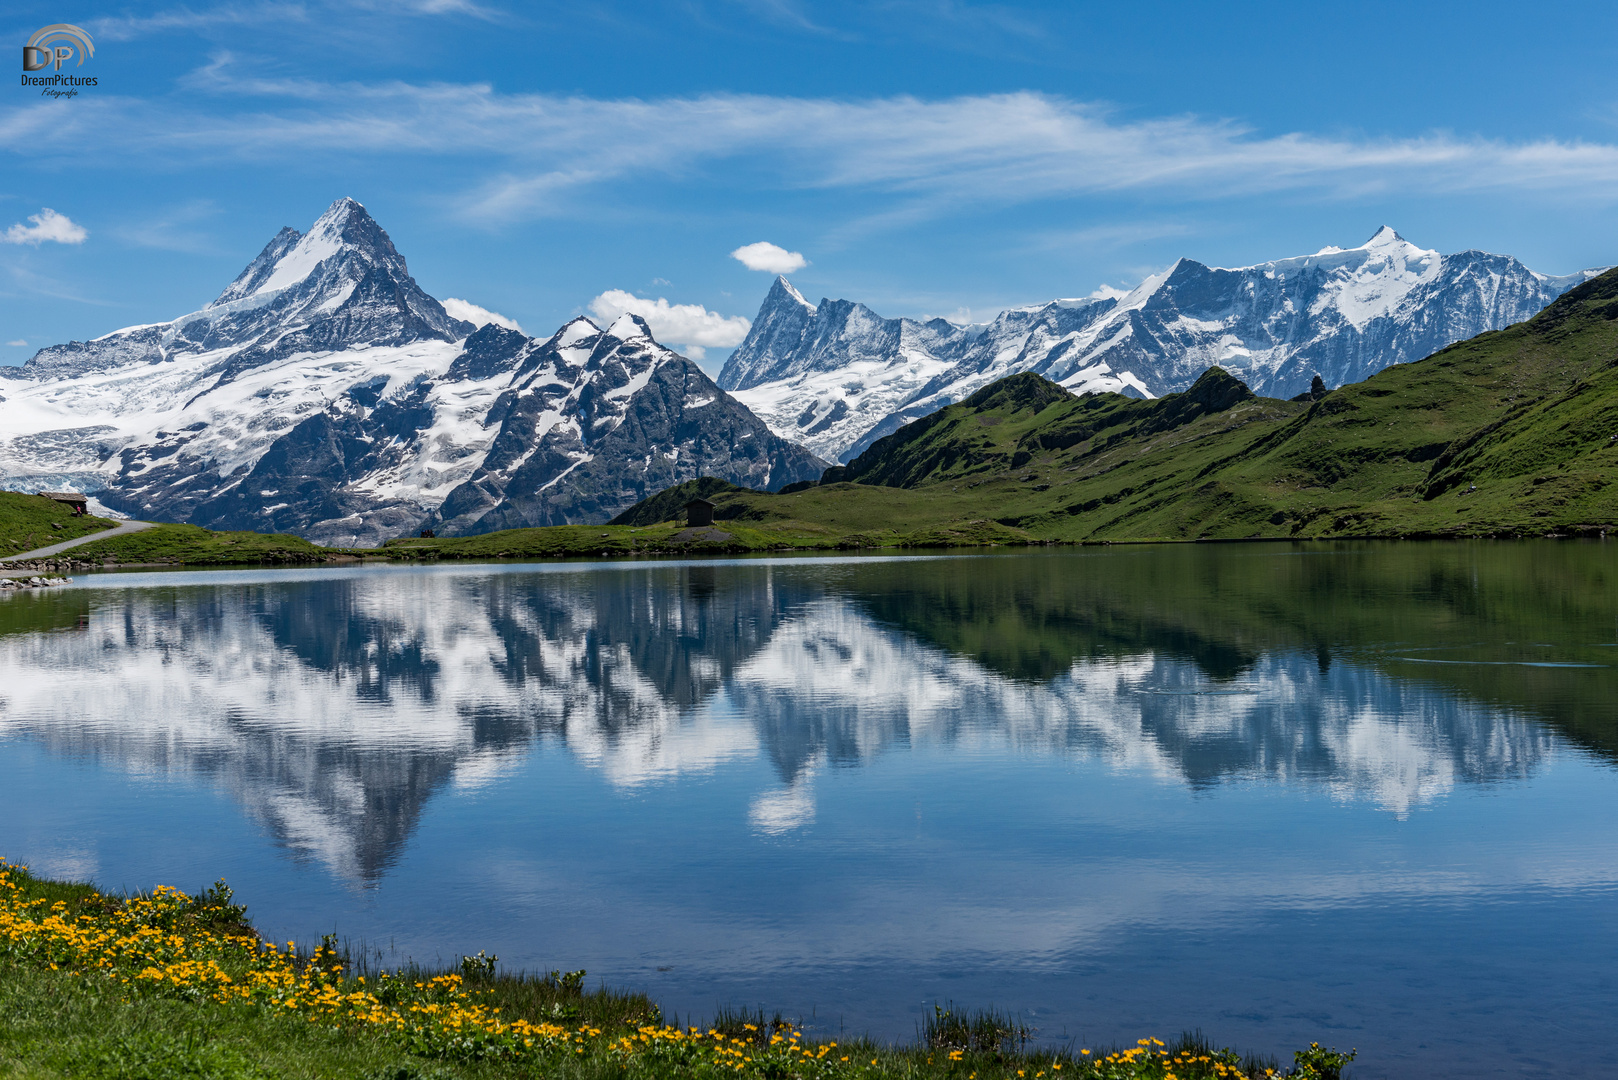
<point x="595" y="420"/>
<point x="837" y="376"/>
<point x="325" y="394"/>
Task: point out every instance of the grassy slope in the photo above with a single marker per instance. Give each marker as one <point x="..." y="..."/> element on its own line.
<point x="26" y="523"/>
<point x="200" y="547"/>
<point x="1510" y="432"/>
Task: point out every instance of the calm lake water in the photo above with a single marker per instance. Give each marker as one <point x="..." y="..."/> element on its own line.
<point x="1363" y="794"/>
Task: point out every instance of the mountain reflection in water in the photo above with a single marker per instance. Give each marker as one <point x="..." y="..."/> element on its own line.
<point x="334" y="705"/>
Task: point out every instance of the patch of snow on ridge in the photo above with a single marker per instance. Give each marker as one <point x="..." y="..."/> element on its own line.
<point x="635" y="385"/>
<point x="625" y="328"/>
<point x="577" y="330"/>
<point x="301" y="261"/>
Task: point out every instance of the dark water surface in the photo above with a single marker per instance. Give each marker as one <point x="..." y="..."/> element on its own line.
<point x="1363" y="794"/>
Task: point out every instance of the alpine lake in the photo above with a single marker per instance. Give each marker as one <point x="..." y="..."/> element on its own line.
<point x="1359" y="793"/>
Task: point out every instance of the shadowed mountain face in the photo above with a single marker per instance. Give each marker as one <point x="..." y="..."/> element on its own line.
<point x="334" y="708"/>
<point x="325" y="394"/>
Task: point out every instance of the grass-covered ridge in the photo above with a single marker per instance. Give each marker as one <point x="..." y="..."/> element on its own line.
<point x="170" y="985"/>
<point x="33" y="521"/>
<point x="196" y="546"/>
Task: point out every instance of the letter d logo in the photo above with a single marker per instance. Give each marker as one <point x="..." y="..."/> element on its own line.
<point x="34" y="59"/>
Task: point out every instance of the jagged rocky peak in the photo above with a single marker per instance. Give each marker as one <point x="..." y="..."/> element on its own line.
<point x="776" y="337"/>
<point x="344" y="266"/>
<point x="783" y="292"/>
<point x="345" y="232"/>
<point x="340" y="285"/>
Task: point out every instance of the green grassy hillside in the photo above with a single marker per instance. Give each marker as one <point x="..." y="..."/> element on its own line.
<point x="31" y="521"/>
<point x="195" y="546"/>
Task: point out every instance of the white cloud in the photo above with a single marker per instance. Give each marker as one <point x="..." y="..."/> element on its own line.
<point x="479" y="316"/>
<point x="47" y="225"/>
<point x="181" y="20"/>
<point x="924" y="156"/>
<point x="691" y="326"/>
<point x="769" y="258"/>
<point x="18" y="344"/>
<point x="185" y="19"/>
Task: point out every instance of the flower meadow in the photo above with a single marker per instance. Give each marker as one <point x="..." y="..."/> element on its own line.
<point x="199" y="949"/>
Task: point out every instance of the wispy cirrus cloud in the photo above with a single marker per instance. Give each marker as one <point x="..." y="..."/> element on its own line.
<point x="535" y="154"/>
<point x="174" y="229"/>
<point x="185" y="19"/>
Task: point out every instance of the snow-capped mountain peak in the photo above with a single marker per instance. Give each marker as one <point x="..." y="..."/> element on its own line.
<point x="1386" y="236"/>
<point x="783" y="291"/>
<point x="341" y="285"/>
<point x="628" y="327"/>
<point x="1140" y="295"/>
<point x="289" y="259"/>
<point x="573" y="332"/>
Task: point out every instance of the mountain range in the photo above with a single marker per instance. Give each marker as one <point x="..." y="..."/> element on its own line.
<point x="836" y="376"/>
<point x="325" y="394"/>
<point x="1509" y="433"/>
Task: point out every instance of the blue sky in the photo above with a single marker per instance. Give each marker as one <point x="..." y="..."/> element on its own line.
<point x="929" y="157"/>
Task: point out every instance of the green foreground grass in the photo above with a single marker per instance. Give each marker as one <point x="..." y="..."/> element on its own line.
<point x="32" y="521"/>
<point x="165" y="985"/>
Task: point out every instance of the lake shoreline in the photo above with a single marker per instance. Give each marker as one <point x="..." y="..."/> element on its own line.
<point x="191" y="964"/>
<point x="159" y="547"/>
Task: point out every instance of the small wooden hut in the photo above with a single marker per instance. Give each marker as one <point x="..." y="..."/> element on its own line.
<point x="698" y="512"/>
<point x="68" y="498"/>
